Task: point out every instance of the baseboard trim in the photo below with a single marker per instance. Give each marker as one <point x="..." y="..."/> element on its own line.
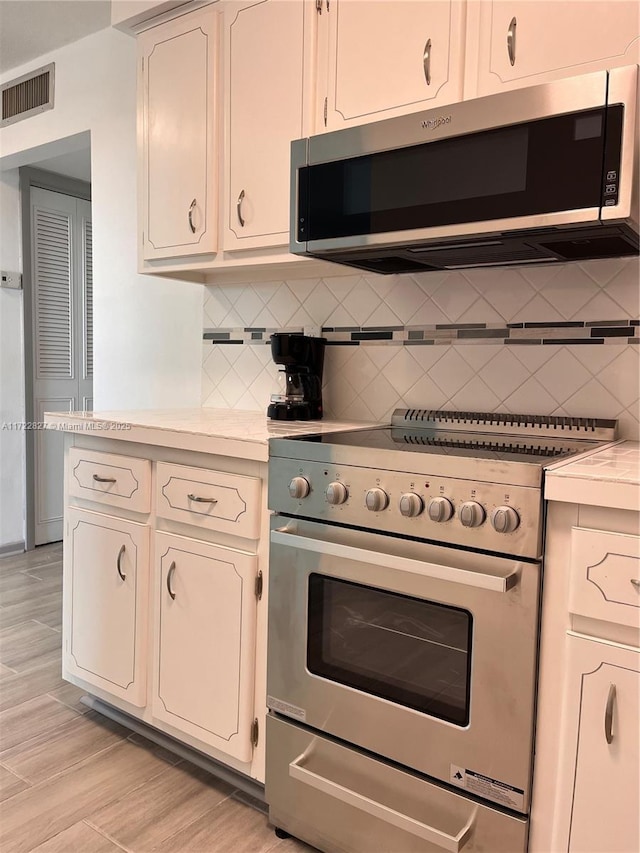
<point x="11" y="549"/>
<point x="227" y="774"/>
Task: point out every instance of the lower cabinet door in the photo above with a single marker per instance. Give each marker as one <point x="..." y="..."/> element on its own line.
<point x="605" y="682"/>
<point x="106" y="603"/>
<point x="206" y="642"/>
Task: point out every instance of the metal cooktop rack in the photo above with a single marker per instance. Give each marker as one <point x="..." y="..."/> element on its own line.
<point x="555" y="427"/>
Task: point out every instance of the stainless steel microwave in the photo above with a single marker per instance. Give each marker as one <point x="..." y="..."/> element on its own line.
<point x="537" y="175"/>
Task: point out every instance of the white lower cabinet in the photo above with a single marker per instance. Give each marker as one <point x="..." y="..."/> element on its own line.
<point x="106" y="602"/>
<point x="206" y="626"/>
<point x="603" y="687"/>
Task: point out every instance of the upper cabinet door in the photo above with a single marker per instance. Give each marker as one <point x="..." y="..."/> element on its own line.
<point x="178" y="96"/>
<point x="266" y="48"/>
<point x="390" y="57"/>
<point x="525" y="42"/>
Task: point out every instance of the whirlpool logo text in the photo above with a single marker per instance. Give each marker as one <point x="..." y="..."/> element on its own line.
<point x="433" y="123"/>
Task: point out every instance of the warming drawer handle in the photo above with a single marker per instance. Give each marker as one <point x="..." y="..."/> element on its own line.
<point x="453" y="843"/>
<point x="608" y="714"/>
<point x="493" y="583"/>
<point x="119" y="563"/>
<point x="511" y="41"/>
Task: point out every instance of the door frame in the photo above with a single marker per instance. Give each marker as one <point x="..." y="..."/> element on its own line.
<point x="31" y="177"/>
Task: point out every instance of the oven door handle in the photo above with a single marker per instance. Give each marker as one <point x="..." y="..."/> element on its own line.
<point x="494" y="583"/>
<point x="452" y="843"/>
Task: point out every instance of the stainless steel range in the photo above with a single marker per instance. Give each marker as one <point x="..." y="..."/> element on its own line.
<point x="405" y="578"/>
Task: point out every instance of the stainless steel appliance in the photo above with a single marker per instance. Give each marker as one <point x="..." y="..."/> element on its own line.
<point x="300" y="395"/>
<point x="544" y="174"/>
<point x="405" y="577"/>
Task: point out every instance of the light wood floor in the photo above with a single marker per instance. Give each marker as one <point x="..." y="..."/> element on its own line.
<point x="72" y="781"/>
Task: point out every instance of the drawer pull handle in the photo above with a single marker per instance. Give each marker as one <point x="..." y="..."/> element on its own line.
<point x="119" y="563"/>
<point x="195" y="498"/>
<point x="635" y="582"/>
<point x="100" y="479"/>
<point x="608" y="713"/>
<point x="172" y="569"/>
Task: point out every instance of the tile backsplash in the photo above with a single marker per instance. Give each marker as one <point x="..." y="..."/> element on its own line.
<point x="559" y="339"/>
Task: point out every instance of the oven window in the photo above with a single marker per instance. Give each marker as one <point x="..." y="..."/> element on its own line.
<point x="412" y="652"/>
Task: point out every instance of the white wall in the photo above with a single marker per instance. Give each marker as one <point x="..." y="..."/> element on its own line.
<point x="11" y="369"/>
<point x="147" y="330"/>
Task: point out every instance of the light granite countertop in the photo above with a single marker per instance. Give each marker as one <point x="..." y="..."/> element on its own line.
<point x="609" y="477"/>
<point x="227" y="432"/>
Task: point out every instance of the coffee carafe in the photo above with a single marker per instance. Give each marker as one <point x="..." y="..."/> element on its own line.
<point x="299" y="397"/>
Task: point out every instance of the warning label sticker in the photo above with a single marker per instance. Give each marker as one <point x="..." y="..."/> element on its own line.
<point x="484" y="786"/>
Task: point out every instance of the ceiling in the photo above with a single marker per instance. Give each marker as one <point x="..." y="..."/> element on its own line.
<point x="31" y="28"/>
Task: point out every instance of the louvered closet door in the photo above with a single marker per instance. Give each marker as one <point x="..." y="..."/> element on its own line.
<point x="62" y="335"/>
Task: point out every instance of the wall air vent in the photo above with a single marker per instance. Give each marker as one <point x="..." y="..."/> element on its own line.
<point x="27" y="95"/>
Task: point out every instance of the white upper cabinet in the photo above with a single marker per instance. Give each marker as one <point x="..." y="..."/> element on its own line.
<point x="266" y="44"/>
<point x="525" y="42"/>
<point x="179" y="166"/>
<point x="387" y="58"/>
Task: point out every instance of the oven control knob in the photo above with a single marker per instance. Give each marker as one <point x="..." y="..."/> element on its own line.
<point x="440" y="509"/>
<point x="505" y="519"/>
<point x="376" y="500"/>
<point x="299" y="488"/>
<point x="472" y="514"/>
<point x="336" y="493"/>
<point x="411" y="505"/>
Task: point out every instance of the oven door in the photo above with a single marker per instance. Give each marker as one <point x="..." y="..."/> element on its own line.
<point x="423" y="654"/>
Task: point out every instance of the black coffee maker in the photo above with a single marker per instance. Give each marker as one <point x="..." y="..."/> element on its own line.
<point x="300" y="394"/>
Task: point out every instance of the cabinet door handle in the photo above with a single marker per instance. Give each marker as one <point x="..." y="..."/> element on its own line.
<point x="239" y="208"/>
<point x="319" y="6"/>
<point x="119" y="563"/>
<point x="608" y="713"/>
<point x="635" y="582"/>
<point x="426" y="62"/>
<point x="192" y="207"/>
<point x="172" y="569"/>
<point x="193" y="497"/>
<point x="511" y="41"/>
<point x="100" y="479"/>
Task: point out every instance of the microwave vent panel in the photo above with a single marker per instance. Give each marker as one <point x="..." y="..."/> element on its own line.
<point x="28" y="95"/>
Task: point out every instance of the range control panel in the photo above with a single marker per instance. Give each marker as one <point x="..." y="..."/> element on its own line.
<point x="506" y="519"/>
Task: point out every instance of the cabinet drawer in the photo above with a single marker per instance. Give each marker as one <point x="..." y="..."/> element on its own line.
<point x="605" y="576"/>
<point x="120" y="481"/>
<point x="229" y="503"/>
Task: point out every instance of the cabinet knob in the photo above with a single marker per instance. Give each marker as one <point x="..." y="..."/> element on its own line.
<point x="192" y="207"/>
